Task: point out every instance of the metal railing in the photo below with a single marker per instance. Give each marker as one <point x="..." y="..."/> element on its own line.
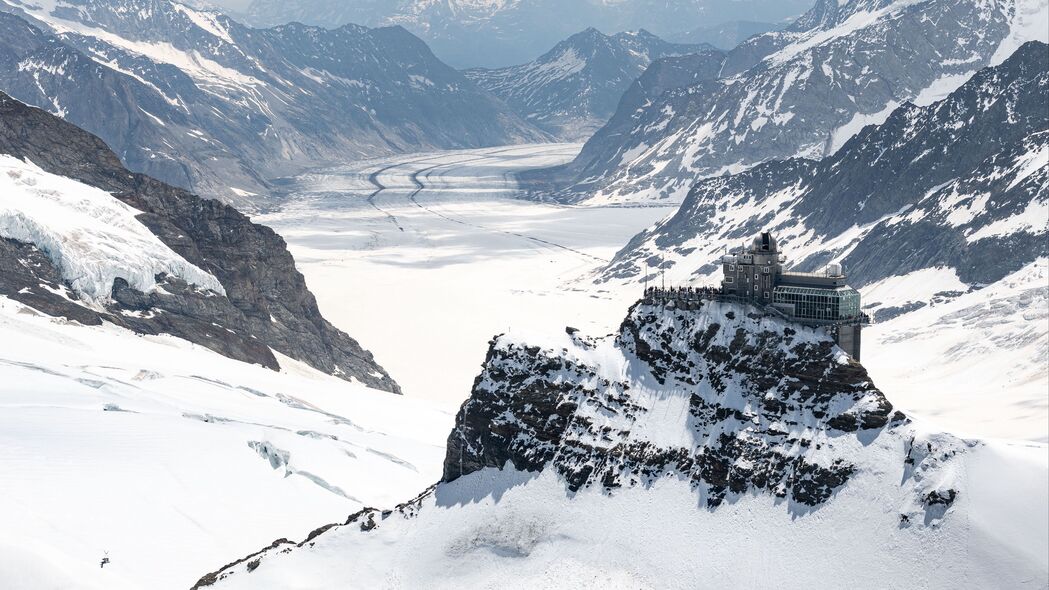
<point x="693" y="296"/>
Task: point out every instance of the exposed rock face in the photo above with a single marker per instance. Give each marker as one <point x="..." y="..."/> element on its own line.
<point x="772" y="407"/>
<point x="267" y="306"/>
<point x="200" y="101"/>
<point x="960" y="183"/>
<point x="571" y="90"/>
<point x="800" y="92"/>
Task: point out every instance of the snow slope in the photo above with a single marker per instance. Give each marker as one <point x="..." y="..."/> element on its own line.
<point x="670" y="456"/>
<point x="171" y="457"/>
<point x="91" y="237"/>
<point x="976" y="363"/>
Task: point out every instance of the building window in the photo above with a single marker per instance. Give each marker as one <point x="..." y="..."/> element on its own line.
<point x="765" y="270"/>
<point x="766" y="294"/>
<point x="732" y="267"/>
<point x="728" y="279"/>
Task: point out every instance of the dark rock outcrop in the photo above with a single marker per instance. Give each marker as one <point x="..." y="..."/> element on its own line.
<point x="267" y="306"/>
<point x="761" y="396"/>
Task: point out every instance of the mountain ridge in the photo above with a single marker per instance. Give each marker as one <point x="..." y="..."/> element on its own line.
<point x="571" y="90"/>
<point x="262" y="305"/>
<point x="798" y="92"/>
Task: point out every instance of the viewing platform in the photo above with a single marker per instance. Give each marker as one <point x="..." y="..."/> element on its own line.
<point x="756" y="276"/>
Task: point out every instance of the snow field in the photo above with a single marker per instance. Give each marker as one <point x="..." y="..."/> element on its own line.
<point x="175" y="459"/>
<point x="470" y="262"/>
<point x="508" y="529"/>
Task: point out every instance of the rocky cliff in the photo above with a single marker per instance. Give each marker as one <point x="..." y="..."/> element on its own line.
<point x="265" y="308"/>
<point x="755" y="397"/>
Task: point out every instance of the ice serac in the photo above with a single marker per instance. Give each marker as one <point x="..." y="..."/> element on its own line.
<point x="259" y="306"/>
<point x="800" y="92"/>
<point x="196" y="99"/>
<point x="572" y="90"/>
<point x="717" y="431"/>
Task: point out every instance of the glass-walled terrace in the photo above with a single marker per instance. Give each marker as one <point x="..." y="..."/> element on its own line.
<point x="819" y="304"/>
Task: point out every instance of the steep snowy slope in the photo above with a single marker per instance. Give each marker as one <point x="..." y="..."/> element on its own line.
<point x="166" y="456"/>
<point x="700" y="443"/>
<point x="572" y="90"/>
<point x="959" y="183"/>
<point x="84" y="239"/>
<point x="499" y="33"/>
<point x="924" y="210"/>
<point x="802" y="92"/>
<point x="200" y="101"/>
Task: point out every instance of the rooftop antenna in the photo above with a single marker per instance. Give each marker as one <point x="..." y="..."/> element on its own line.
<point x="663" y="271"/>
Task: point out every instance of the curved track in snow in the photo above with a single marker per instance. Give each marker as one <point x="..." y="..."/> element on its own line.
<point x="420" y="187"/>
<point x="423" y="257"/>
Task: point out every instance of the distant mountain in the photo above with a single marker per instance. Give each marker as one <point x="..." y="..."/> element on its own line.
<point x="707" y="445"/>
<point x="500" y="33"/>
<point x="83" y="238"/>
<point x="800" y="92"/>
<point x="572" y="90"/>
<point x="961" y="183"/>
<point x="203" y="102"/>
<point x="726" y="35"/>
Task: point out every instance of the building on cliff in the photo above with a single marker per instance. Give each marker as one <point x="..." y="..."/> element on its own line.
<point x="756" y="274"/>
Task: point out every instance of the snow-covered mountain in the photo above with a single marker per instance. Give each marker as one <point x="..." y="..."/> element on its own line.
<point x="697" y="443"/>
<point x="801" y="92"/>
<point x="499" y="33"/>
<point x="82" y="238"/>
<point x="940" y="216"/>
<point x="198" y="100"/>
<point x="572" y="90"/>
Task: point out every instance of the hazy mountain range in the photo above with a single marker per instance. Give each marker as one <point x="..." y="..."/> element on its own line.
<point x="499" y="33"/>
<point x="572" y="90"/>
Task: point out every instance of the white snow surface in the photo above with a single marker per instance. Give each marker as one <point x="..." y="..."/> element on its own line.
<point x="975" y="364"/>
<point x="506" y="529"/>
<point x="90" y="236"/>
<point x="454" y="264"/>
<point x="174" y="459"/>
